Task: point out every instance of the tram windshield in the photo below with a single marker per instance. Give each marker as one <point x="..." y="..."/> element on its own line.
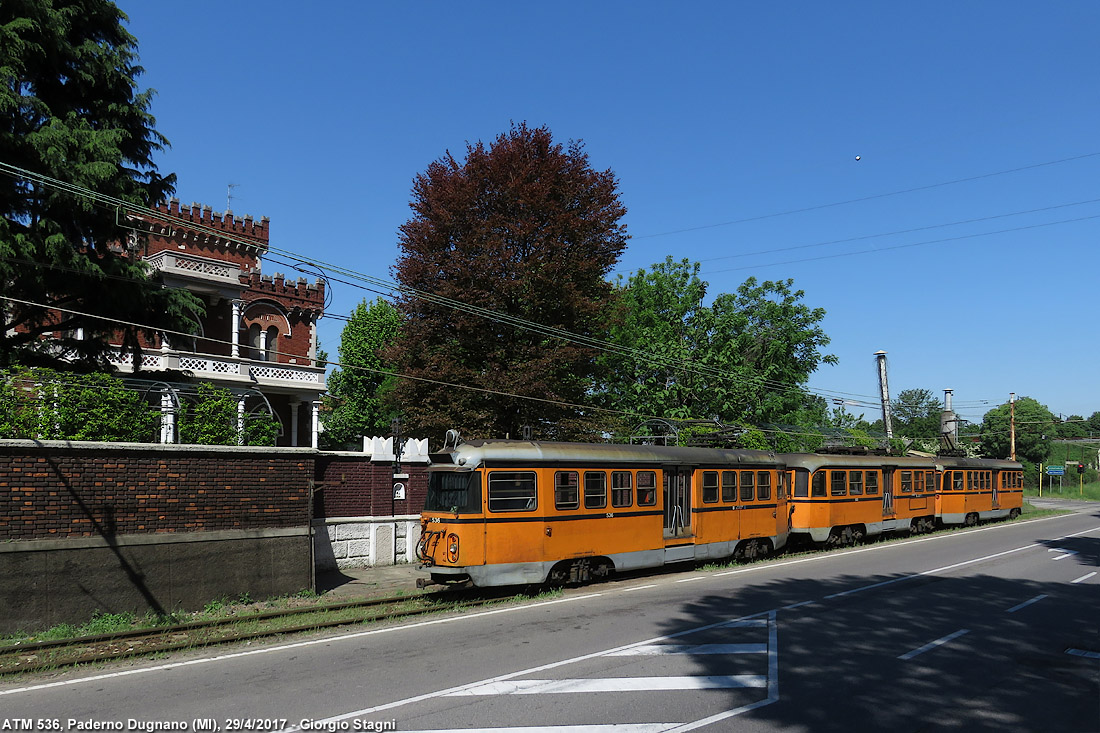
<point x="458" y="492"/>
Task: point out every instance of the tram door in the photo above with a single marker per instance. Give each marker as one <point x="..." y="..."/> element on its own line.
<point x="996" y="499"/>
<point x="677" y="502"/>
<point x="888" y="492"/>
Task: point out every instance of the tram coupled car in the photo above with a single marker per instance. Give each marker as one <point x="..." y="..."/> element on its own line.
<point x="977" y="489"/>
<point x="839" y="500"/>
<point x="522" y="512"/>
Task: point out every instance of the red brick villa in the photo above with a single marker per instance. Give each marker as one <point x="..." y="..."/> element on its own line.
<point x="259" y="331"/>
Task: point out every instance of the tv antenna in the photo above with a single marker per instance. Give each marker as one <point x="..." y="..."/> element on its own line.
<point x="229" y="195"/>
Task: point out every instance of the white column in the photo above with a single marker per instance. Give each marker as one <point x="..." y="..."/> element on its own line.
<point x="316" y="430"/>
<point x="263" y="345"/>
<point x="235" y="336"/>
<point x="313" y="340"/>
<point x="294" y="404"/>
<point x="240" y="421"/>
<point x="167" y="418"/>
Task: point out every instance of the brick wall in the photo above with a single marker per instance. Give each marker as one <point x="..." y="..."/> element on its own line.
<point x="59" y="489"/>
<point x="350" y="486"/>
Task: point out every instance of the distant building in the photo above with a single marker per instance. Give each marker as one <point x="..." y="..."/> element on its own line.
<point x="259" y="331"/>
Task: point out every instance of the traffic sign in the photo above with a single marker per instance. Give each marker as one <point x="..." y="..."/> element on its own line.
<point x="1056" y="470"/>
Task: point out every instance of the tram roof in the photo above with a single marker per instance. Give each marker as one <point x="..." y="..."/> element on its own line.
<point x="501" y="452"/>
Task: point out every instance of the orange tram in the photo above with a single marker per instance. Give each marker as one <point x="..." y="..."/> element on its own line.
<point x="521" y="512"/>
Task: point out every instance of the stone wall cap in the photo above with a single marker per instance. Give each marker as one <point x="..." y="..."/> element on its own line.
<point x="10" y="444"/>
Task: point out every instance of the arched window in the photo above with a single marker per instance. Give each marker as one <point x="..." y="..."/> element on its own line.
<point x="272" y="345"/>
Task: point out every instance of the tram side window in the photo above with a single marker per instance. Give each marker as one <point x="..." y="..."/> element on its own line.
<point x="840" y="483"/>
<point x="855" y="483"/>
<point x="957" y="483"/>
<point x="710" y="487"/>
<point x="622" y="489"/>
<point x="747" y="488"/>
<point x="512" y="491"/>
<point x="907" y="482"/>
<point x="872" y="482"/>
<point x="780" y="486"/>
<point x="595" y="489"/>
<point x="801" y="483"/>
<point x="818" y="487"/>
<point x="729" y="486"/>
<point x="567" y="490"/>
<point x="647" y="488"/>
<point x="930" y="482"/>
<point x="763" y="485"/>
<point x="969" y="480"/>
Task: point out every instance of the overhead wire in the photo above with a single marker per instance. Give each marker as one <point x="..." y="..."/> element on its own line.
<point x="872" y="197"/>
<point x="389" y="288"/>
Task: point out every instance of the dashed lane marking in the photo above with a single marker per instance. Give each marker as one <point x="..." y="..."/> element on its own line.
<point x="1083" y="653"/>
<point x="1025" y="604"/>
<point x="933" y="644"/>
<point x="692" y="649"/>
<point x="1083" y="578"/>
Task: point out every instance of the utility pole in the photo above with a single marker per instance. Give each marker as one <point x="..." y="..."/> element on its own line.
<point x="1012" y="424"/>
<point x="881" y="357"/>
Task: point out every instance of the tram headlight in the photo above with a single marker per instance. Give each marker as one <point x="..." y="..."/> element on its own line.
<point x="452" y="548"/>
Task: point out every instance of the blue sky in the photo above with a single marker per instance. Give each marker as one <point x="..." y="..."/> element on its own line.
<point x="733" y="128"/>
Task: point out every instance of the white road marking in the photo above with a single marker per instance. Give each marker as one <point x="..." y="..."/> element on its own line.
<point x="1083" y="578"/>
<point x="692" y="579"/>
<point x="617" y="684"/>
<point x="333" y="639"/>
<point x="797" y="605"/>
<point x="693" y="649"/>
<point x="933" y="644"/>
<point x="640" y="587"/>
<point x="1083" y="653"/>
<point x="766" y="618"/>
<point x="284" y="647"/>
<point x="1025" y="604"/>
<point x="1068" y="553"/>
<point x="608" y="728"/>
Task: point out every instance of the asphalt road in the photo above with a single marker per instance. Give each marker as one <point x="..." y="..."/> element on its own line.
<point x="996" y="628"/>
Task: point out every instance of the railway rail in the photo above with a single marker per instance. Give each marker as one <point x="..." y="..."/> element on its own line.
<point x="52" y="654"/>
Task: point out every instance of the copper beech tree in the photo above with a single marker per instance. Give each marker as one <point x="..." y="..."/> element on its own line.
<point x="526" y="229"/>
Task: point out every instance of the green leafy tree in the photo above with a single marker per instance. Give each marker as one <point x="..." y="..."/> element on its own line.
<point x="213" y="419"/>
<point x="527" y="229"/>
<point x="916" y="414"/>
<point x="1034" y="431"/>
<point x="357" y="391"/>
<point x="1094" y="423"/>
<point x="844" y="420"/>
<point x="46" y="404"/>
<point x="1074" y="426"/>
<point x="744" y="358"/>
<point x="70" y="110"/>
<point x="658" y="324"/>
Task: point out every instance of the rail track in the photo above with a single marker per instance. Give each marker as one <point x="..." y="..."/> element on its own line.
<point x="53" y="654"/>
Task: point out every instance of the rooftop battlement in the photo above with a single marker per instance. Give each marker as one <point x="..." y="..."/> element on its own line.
<point x="227" y="222"/>
<point x="277" y="285"/>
